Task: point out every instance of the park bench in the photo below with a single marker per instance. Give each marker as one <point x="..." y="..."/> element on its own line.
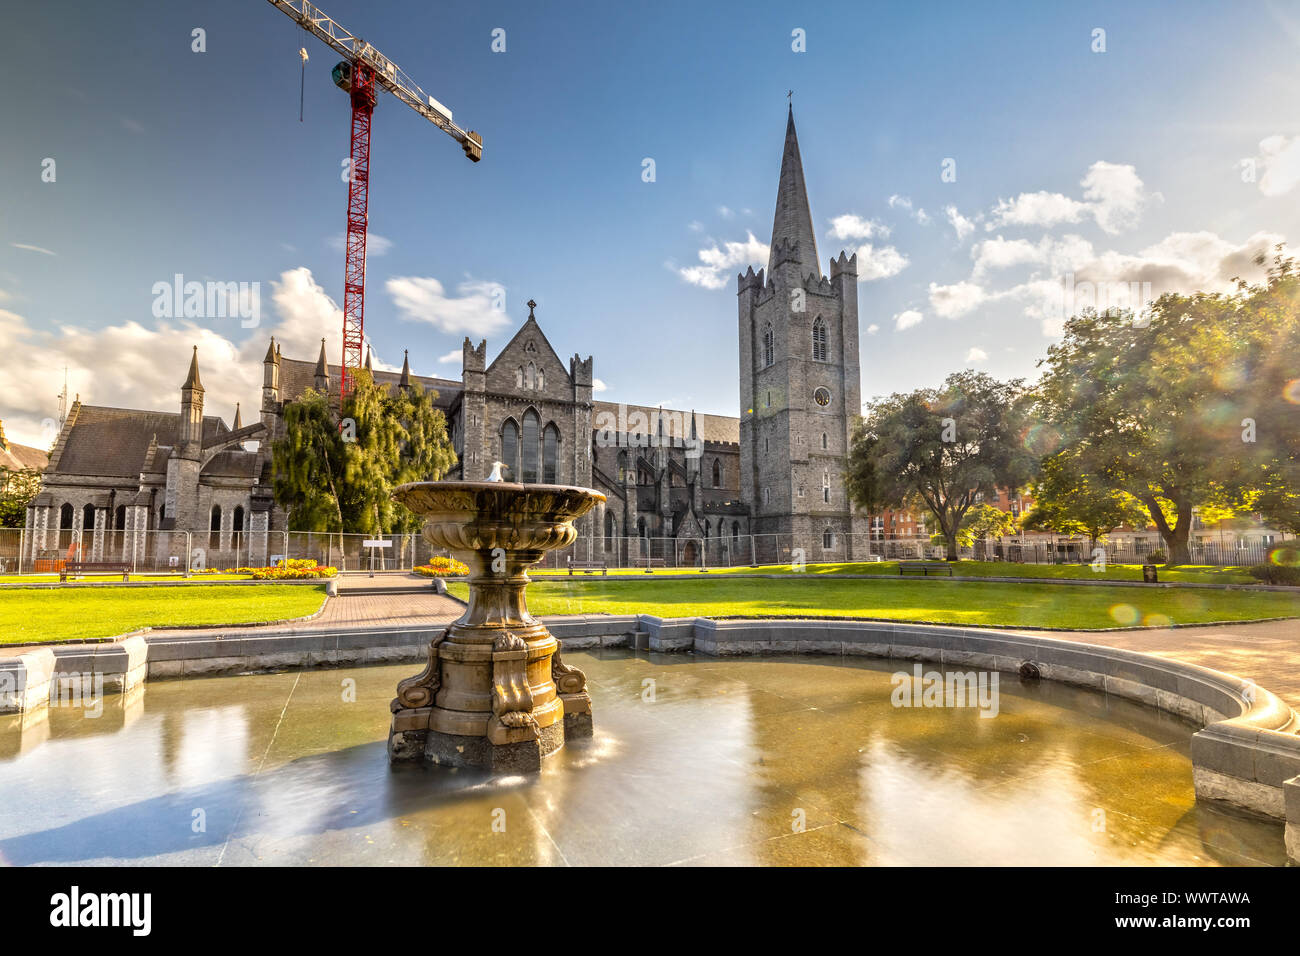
<point x="79" y="568"/>
<point x="654" y="563"/>
<point x="924" y="567"/>
<point x="587" y="567"/>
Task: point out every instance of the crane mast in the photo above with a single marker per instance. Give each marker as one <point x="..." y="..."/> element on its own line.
<point x="363" y="71"/>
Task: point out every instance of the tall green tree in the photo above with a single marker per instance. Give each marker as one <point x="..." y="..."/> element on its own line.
<point x="1268" y="315"/>
<point x="338" y="474"/>
<point x="944" y="448"/>
<point x="17" y="489"/>
<point x="1070" y="501"/>
<point x="1153" y="408"/>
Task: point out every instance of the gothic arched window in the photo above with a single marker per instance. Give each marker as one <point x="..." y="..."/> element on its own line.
<point x="528" y="440"/>
<point x="519" y="377"/>
<point x="65" y="518"/>
<point x="717" y="473"/>
<point x="828" y="538"/>
<point x="819" y="351"/>
<point x="769" y="346"/>
<point x="541" y="379"/>
<point x="214" y="528"/>
<point x="735" y="531"/>
<point x="550" y="453"/>
<point x="823" y="439"/>
<point x="826" y="486"/>
<point x="510" y="448"/>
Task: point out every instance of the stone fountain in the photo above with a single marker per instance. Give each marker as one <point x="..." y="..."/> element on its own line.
<point x="494" y="693"/>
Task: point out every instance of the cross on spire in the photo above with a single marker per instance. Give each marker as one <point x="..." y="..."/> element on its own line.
<point x="531" y="305"/>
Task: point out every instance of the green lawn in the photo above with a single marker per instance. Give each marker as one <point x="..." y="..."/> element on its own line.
<point x="40" y="614"/>
<point x="910" y="599"/>
<point x="1183" y="574"/>
<point x="111" y="578"/>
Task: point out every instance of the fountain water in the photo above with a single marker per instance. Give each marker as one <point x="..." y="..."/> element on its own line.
<point x="494" y="693"/>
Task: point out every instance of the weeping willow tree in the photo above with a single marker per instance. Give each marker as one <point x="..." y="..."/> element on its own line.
<point x="337" y="474"/>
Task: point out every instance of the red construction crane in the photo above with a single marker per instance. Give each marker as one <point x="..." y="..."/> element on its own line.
<point x="362" y="69"/>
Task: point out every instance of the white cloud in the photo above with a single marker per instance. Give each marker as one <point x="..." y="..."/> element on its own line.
<point x="905" y="320"/>
<point x="952" y="301"/>
<point x="1116" y="195"/>
<point x="960" y="224"/>
<point x="1113" y="196"/>
<point x="975" y="356"/>
<point x="872" y="329"/>
<point x="879" y="262"/>
<point x="695" y="226"/>
<point x="450" y="357"/>
<point x="475" y="310"/>
<point x="598" y="386"/>
<point x="726" y="213"/>
<point x="376" y="245"/>
<point x="1059" y="255"/>
<point x="1037" y="209"/>
<point x="852" y="228"/>
<point x="1280" y="158"/>
<point x="717" y="262"/>
<point x="40" y="249"/>
<point x="137" y="366"/>
<point x="1075" y="277"/>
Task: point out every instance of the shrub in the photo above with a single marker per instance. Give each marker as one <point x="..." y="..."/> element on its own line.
<point x="1276" y="574"/>
<point x="442" y="568"/>
<point x="1157" y="557"/>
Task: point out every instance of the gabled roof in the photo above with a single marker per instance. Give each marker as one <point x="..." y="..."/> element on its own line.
<point x="115" y="442"/>
<point x="711" y="428"/>
<point x="531" y="325"/>
<point x="15" y="457"/>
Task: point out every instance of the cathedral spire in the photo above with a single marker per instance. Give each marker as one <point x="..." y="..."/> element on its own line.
<point x="322" y="374"/>
<point x="239" y="422"/>
<point x="793" y="219"/>
<point x="192" y="380"/>
<point x="405" y="380"/>
<point x="369" y="368"/>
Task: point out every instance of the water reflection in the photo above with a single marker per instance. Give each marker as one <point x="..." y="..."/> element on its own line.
<point x="768" y="761"/>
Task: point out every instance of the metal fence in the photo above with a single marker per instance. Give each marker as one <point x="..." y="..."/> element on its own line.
<point x="179" y="551"/>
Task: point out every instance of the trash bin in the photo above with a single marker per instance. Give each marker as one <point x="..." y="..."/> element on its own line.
<point x="1149" y="574"/>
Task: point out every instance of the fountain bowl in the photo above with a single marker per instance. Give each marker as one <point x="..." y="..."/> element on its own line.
<point x="494" y="693"/>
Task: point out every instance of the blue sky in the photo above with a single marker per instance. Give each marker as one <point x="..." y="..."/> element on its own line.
<point x="1115" y="166"/>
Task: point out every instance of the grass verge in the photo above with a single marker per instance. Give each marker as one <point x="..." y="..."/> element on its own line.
<point x="1183" y="574"/>
<point x="985" y="604"/>
<point x="82" y="613"/>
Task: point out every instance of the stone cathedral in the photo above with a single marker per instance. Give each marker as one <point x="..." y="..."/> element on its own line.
<point x="698" y="487"/>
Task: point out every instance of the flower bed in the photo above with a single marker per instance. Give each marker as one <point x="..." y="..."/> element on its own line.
<point x="300" y="569"/>
<point x="442" y="568"/>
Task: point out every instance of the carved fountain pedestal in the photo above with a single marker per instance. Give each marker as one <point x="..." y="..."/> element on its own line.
<point x="494" y="693"/>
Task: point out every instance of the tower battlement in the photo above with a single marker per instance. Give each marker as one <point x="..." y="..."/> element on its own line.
<point x="843" y="265"/>
<point x="749" y="280"/>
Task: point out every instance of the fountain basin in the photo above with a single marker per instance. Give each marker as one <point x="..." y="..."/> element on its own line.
<point x="494" y="693"/>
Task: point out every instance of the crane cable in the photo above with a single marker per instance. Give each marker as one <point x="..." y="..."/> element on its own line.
<point x="302" y="85"/>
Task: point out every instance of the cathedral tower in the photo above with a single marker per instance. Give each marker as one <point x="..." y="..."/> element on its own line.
<point x="799" y="382"/>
